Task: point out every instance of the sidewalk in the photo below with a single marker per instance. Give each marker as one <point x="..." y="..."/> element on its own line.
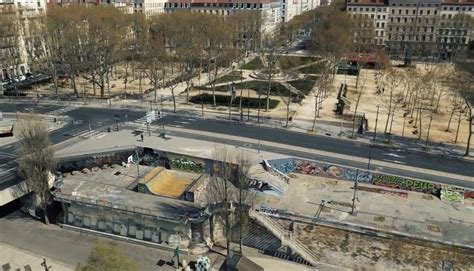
<point x="18" y="258"/>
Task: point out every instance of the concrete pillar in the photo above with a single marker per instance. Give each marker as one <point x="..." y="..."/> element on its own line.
<point x="155" y="237"/>
<point x="139" y="234"/>
<point x="123" y="230"/>
<point x="132" y="229"/>
<point x="87" y="222"/>
<point x="94" y="223"/>
<point x="101" y="225"/>
<point x="70" y="218"/>
<point x="147" y="234"/>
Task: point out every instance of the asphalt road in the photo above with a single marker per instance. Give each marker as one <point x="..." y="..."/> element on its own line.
<point x="102" y="118"/>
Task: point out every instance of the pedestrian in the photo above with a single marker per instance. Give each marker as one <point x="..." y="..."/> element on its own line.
<point x="141" y="136"/>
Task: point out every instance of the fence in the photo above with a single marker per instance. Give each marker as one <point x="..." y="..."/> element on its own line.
<point x="69" y="198"/>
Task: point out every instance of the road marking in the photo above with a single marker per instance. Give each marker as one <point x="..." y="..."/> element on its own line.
<point x="394" y="155"/>
<point x="394" y="161"/>
<point x="7" y="154"/>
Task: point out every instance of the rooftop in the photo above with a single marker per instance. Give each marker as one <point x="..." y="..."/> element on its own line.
<point x="112" y="187"/>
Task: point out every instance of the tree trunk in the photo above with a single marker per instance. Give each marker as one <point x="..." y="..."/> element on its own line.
<point x="74" y="87"/>
<point x="269" y="89"/>
<point x="468" y="145"/>
<point x="93" y="84"/>
<point x="174" y="99"/>
<point x="450" y="118"/>
<point x="155" y="88"/>
<point x="45" y="214"/>
<point x="315" y="113"/>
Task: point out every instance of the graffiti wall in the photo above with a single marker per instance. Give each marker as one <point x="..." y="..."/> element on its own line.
<point x="451" y="193"/>
<point x="406" y="184"/>
<point x="284" y="165"/>
<point x="316" y="168"/>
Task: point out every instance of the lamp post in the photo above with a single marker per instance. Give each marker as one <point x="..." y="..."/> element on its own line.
<point x="376" y="121"/>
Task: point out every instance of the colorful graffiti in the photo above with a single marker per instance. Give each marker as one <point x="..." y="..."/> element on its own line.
<point x="287" y="165"/>
<point x="468" y="194"/>
<point x="319" y="169"/>
<point x="406" y="184"/>
<point x="361" y="176"/>
<point x="185" y="164"/>
<point x="284" y="165"/>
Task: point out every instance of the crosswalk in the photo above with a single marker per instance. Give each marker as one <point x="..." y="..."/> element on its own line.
<point x="93" y="134"/>
<point x="63" y="110"/>
<point x="141" y="122"/>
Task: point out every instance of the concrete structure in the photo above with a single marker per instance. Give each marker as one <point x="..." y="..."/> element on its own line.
<point x="15" y="52"/>
<point x="104" y="201"/>
<point x="417" y="28"/>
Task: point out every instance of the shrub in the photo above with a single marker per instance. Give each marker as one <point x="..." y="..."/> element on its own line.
<point x="254" y="64"/>
<point x="223" y="100"/>
<point x="303" y="85"/>
<point x="288" y="62"/>
<point x="228" y="78"/>
<point x="316" y="68"/>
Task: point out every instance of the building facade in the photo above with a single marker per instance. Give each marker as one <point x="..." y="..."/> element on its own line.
<point x="270" y="9"/>
<point x="414" y="28"/>
<point x="18" y="16"/>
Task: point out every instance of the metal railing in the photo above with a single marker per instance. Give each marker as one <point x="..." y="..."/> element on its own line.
<point x="286" y="237"/>
<point x="132" y="209"/>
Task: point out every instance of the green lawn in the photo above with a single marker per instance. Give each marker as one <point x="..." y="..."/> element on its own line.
<point x="260" y="86"/>
<point x="254" y="64"/>
<point x="313" y="69"/>
<point x="235" y="75"/>
<point x="224" y="100"/>
<point x="288" y="62"/>
<point x="303" y="85"/>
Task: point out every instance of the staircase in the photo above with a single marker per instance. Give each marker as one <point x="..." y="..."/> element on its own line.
<point x="288" y="240"/>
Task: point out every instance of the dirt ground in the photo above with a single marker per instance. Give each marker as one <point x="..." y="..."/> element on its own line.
<point x="361" y="252"/>
<point x="368" y="106"/>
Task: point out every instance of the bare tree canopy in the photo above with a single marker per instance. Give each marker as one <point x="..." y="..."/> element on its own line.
<point x="37" y="158"/>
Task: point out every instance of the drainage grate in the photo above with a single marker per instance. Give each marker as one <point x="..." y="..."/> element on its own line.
<point x="433" y="228"/>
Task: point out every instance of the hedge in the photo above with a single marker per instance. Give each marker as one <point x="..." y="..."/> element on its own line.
<point x="259" y="86"/>
<point x="316" y="68"/>
<point x="223" y="100"/>
<point x="227" y="78"/>
<point x="303" y="85"/>
<point x="288" y="62"/>
<point x="254" y="64"/>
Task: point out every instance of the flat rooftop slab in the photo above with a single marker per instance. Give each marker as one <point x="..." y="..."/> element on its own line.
<point x="112" y="186"/>
<point x="380" y="207"/>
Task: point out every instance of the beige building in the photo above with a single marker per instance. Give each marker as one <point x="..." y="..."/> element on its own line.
<point x="417" y="28"/>
<point x="270" y="9"/>
<point x="16" y="50"/>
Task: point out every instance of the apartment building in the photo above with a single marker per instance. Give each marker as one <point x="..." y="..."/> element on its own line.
<point x="417" y="28"/>
<point x="270" y="9"/>
<point x="16" y="47"/>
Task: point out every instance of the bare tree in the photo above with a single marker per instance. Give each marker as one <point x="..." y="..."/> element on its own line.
<point x="245" y="197"/>
<point x="221" y="191"/>
<point x="37" y="159"/>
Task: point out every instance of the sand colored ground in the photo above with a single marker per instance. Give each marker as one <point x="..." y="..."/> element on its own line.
<point x="304" y="111"/>
<point x="162" y="183"/>
<point x="368" y="106"/>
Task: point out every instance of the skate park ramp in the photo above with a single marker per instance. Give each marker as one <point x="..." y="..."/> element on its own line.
<point x="166" y="183"/>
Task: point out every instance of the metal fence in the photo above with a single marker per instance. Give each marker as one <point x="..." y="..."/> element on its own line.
<point x="116" y="206"/>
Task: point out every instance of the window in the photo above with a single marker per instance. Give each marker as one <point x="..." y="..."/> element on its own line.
<point x="383" y="25"/>
<point x="421" y="12"/>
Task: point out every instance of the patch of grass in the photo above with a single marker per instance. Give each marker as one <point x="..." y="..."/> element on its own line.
<point x="254" y="64"/>
<point x="235" y="76"/>
<point x="259" y="86"/>
<point x="379" y="218"/>
<point x="313" y="69"/>
<point x="303" y="85"/>
<point x="288" y="62"/>
<point x="224" y="100"/>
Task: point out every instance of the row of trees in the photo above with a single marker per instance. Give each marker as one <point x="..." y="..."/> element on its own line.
<point x="90" y="42"/>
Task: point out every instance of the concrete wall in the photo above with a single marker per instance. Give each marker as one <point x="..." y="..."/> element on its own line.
<point x="128" y="225"/>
